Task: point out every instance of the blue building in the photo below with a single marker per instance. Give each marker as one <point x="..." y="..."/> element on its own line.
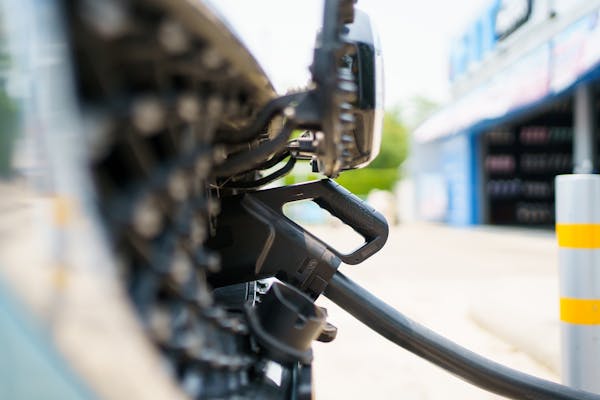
<point x="525" y="78"/>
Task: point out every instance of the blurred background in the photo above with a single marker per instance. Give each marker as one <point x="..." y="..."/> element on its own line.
<point x="481" y="92"/>
<point x="479" y="119"/>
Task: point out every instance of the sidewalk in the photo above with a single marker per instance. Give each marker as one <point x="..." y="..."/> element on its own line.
<point x="491" y="290"/>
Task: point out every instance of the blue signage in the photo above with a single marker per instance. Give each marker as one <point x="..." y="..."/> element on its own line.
<point x="499" y="19"/>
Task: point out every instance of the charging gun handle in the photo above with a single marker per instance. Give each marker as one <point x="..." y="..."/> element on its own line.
<point x="341" y="203"/>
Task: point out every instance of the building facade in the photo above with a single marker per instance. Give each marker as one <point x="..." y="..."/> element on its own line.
<point x="525" y="78"/>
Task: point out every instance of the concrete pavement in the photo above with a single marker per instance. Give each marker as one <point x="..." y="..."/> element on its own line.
<point x="493" y="291"/>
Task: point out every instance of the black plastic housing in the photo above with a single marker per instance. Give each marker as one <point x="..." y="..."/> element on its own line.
<point x="256" y="240"/>
<point x="285" y="323"/>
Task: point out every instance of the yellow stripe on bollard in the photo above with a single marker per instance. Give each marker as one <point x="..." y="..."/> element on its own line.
<point x="578" y="236"/>
<point x="580" y="311"/>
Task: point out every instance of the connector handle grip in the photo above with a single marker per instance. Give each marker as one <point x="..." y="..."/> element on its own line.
<point x="350" y="209"/>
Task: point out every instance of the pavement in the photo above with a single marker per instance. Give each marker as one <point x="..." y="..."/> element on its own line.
<point x="492" y="290"/>
<point x="80" y="309"/>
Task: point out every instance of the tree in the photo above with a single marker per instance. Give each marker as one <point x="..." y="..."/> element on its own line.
<point x="8" y="132"/>
<point x="394" y="142"/>
<point x="383" y="172"/>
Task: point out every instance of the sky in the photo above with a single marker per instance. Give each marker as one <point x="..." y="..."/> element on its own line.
<point x="415" y="37"/>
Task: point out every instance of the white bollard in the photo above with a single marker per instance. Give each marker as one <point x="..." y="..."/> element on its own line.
<point x="578" y="234"/>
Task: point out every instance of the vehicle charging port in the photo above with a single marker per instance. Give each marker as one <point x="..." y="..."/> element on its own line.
<point x="285" y="323"/>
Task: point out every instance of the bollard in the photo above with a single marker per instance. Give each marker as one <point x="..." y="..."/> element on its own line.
<point x="578" y="234"/>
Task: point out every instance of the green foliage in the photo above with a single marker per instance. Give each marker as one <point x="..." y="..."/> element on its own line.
<point x="382" y="173"/>
<point x="394" y="143"/>
<point x="362" y="181"/>
<point x="8" y="131"/>
<point x="292" y="179"/>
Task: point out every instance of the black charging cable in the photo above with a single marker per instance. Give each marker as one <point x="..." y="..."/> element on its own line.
<point x="427" y="344"/>
<point x="249" y="160"/>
